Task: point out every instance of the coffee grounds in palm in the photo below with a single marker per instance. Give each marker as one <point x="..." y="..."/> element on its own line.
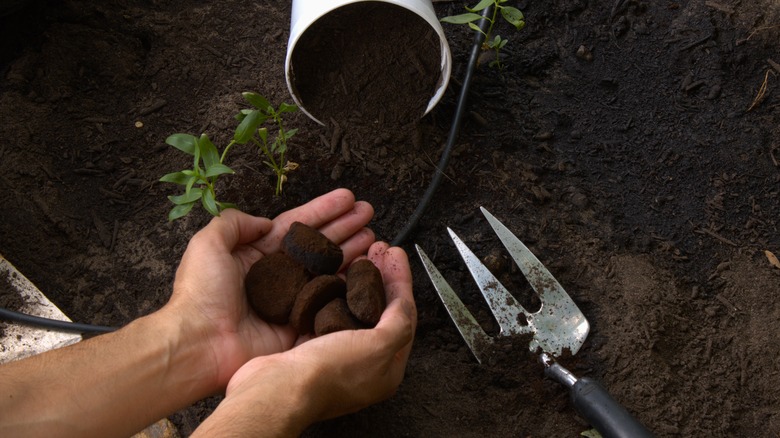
<point x="295" y="284"/>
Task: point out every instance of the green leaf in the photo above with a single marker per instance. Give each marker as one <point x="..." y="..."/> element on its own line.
<point x="218" y="169"/>
<point x="286" y="108"/>
<point x="474" y="27"/>
<point x="180" y="211"/>
<point x="263" y="133"/>
<point x="246" y="129"/>
<point x="461" y="19"/>
<point x="182" y="142"/>
<point x="497" y="43"/>
<point x="196" y="159"/>
<point x="242" y="114"/>
<point x="190" y="183"/>
<point x="279" y="147"/>
<point x="481" y="5"/>
<point x="180" y="178"/>
<point x="191" y="196"/>
<point x="257" y="101"/>
<point x="514" y="16"/>
<point x="289" y="133"/>
<point x="209" y="203"/>
<point x="208" y="152"/>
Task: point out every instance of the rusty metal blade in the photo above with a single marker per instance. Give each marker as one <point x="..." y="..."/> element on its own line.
<point x="510" y="315"/>
<point x="559" y="324"/>
<point x="476" y="338"/>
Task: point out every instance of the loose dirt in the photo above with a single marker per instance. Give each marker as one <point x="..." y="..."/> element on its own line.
<point x="632" y="145"/>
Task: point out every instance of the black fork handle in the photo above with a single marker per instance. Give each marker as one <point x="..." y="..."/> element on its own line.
<point x="603" y="412"/>
<point x="594" y="403"/>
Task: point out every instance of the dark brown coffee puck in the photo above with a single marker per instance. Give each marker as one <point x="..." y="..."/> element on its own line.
<point x="272" y="284"/>
<point x="313" y="297"/>
<point x="334" y="317"/>
<point x="365" y="292"/>
<point x="312" y="249"/>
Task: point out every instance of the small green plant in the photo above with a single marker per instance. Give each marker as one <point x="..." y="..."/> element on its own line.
<point x="208" y="164"/>
<point x="492" y="42"/>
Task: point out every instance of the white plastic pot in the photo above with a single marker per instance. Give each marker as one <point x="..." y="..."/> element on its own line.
<point x="306" y="12"/>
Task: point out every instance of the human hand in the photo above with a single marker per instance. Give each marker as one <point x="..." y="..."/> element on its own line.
<point x="328" y="376"/>
<point x="209" y="298"/>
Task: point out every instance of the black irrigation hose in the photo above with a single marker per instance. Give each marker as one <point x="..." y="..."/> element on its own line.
<point x="53" y="324"/>
<point x="476" y="49"/>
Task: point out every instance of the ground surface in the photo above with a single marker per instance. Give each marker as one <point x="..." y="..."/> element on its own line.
<point x="639" y="174"/>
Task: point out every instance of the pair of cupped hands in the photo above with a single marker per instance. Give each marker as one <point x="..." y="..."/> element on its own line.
<point x="251" y="360"/>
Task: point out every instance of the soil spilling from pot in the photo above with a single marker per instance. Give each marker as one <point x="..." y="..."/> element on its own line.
<point x="368" y="62"/>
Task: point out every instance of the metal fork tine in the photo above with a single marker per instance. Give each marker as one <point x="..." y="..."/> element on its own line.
<point x="558" y="314"/>
<point x="510" y="315"/>
<point x="475" y="337"/>
<point x="538" y="276"/>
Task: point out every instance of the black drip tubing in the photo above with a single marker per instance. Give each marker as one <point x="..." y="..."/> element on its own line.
<point x="476" y="49"/>
<point x="53" y="324"/>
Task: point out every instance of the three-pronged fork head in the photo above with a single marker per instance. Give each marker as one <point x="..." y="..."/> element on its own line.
<point x="557" y="326"/>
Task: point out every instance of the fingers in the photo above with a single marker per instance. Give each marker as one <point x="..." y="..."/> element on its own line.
<point x="230" y="229"/>
<point x="394" y="265"/>
<point x="346" y="225"/>
<point x="335" y="214"/>
<point x="356" y="246"/>
<point x="400" y="315"/>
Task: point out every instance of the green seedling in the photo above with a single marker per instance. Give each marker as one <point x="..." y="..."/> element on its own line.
<point x="492" y="42"/>
<point x="209" y="164"/>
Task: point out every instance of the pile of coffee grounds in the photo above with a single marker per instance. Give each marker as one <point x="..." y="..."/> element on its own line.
<point x="299" y="286"/>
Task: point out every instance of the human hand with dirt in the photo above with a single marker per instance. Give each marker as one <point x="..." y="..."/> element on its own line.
<point x="209" y="286"/>
<point x="118" y="383"/>
<point x="328" y="376"/>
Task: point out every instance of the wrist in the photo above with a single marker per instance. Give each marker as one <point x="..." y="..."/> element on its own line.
<point x="270" y="397"/>
<point x="190" y="359"/>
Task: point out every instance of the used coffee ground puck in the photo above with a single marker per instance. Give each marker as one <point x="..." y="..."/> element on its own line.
<point x="272" y="284"/>
<point x="312" y="249"/>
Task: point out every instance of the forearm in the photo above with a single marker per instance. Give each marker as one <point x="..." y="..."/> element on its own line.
<point x="111" y="385"/>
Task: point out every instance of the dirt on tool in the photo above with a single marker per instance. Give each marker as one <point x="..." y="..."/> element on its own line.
<point x="632" y="145"/>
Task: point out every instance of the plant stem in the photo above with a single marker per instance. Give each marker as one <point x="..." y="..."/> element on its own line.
<point x="225" y="152"/>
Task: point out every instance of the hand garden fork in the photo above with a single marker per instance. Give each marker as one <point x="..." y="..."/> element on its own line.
<point x="556" y="327"/>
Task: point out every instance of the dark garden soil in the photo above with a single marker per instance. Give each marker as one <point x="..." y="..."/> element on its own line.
<point x="633" y="145"/>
